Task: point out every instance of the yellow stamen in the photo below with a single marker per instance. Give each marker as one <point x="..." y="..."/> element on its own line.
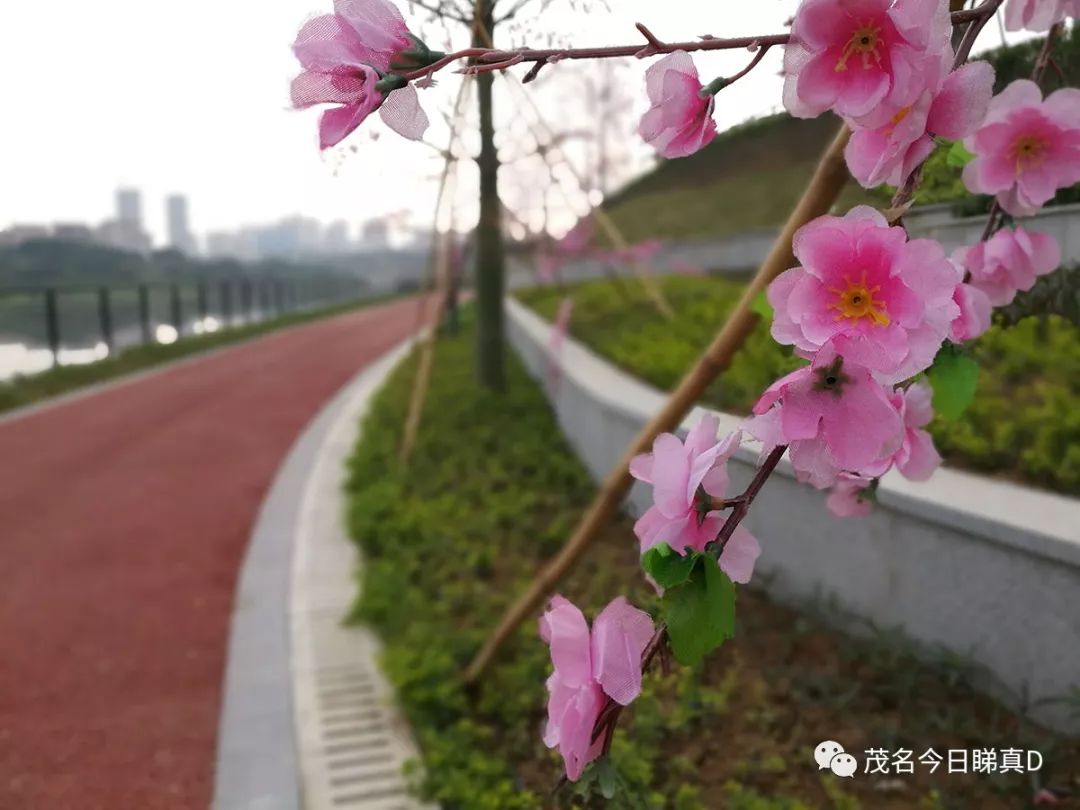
<point x="897" y="119"/>
<point x="865" y="42"/>
<point x="1029" y="152"/>
<point x="856" y="301"/>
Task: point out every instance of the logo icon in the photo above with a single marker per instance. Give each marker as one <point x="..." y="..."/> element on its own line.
<point x="831" y="755"/>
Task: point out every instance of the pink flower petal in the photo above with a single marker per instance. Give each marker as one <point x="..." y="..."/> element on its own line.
<point x="702" y="436"/>
<point x="402" y="113"/>
<point x="845" y="497"/>
<point x="641" y="467"/>
<point x="918" y="405"/>
<point x="379" y="25"/>
<point x="961" y="104"/>
<point x="739" y="556"/>
<point x="619" y="637"/>
<point x="671" y="471"/>
<point x="327" y="44"/>
<point x="921" y="457"/>
<point x="653" y="528"/>
<point x="564" y="628"/>
<point x="338" y="123"/>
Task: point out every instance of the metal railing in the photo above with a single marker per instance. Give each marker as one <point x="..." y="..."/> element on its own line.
<point x="118" y="316"/>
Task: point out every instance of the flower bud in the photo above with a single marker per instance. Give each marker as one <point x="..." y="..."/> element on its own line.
<point x="417" y="55"/>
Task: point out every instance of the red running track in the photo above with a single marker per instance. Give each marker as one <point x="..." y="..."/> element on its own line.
<point x="124" y="517"/>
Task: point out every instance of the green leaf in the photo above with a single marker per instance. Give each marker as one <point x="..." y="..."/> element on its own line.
<point x="958" y="156"/>
<point x="954" y="378"/>
<point x="700" y="613"/>
<point x="666" y="567"/>
<point x="762" y="307"/>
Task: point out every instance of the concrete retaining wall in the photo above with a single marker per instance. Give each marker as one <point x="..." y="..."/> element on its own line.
<point x="745" y="251"/>
<point x="982" y="568"/>
<point x="936" y="222"/>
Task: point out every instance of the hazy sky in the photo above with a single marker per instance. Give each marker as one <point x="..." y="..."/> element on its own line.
<point x="192" y="97"/>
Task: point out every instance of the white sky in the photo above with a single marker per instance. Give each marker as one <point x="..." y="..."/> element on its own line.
<point x="192" y="98"/>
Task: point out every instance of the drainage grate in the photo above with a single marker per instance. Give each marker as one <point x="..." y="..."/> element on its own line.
<point x="352" y="742"/>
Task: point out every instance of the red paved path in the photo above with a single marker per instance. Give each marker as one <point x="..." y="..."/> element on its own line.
<point x="123" y="521"/>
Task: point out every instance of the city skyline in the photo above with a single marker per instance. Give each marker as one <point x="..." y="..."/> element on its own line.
<point x="291" y="236"/>
<point x="214" y="121"/>
<point x="130" y="205"/>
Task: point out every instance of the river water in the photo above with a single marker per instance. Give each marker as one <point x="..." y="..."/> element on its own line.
<point x="22" y="359"/>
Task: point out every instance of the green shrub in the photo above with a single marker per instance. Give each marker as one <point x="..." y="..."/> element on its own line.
<point x="485" y="468"/>
<point x="490" y="492"/>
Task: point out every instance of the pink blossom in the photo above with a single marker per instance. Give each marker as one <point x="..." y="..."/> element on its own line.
<point x="555" y="343"/>
<point x="952" y="106"/>
<point x="1038" y="15"/>
<point x="370" y="32"/>
<point x="343" y="56"/>
<point x="677" y="471"/>
<point x="587" y="667"/>
<point x="1044" y="797"/>
<point x="549" y="268"/>
<point x="864" y="59"/>
<point x="974" y="317"/>
<point x="916" y="458"/>
<point x="643" y="252"/>
<point x="679" y="121"/>
<point x="1008" y="262"/>
<point x="638" y="253"/>
<point x="862" y="279"/>
<point x="1027" y="148"/>
<point x="576" y="241"/>
<point x="833" y="415"/>
<point x="683" y="267"/>
<point x="847" y="498"/>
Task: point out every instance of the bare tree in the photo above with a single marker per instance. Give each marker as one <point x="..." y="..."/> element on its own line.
<point x="484" y="18"/>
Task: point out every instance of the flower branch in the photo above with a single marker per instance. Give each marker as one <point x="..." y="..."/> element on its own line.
<point x="608" y="718"/>
<point x="489" y="59"/>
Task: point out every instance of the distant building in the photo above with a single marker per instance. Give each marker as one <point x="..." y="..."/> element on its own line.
<point x="176" y="214"/>
<point x="17" y="234"/>
<point x="231" y="245"/>
<point x="74" y="232"/>
<point x="336" y="238"/>
<point x="124" y="235"/>
<point x="375" y="234"/>
<point x="125" y="232"/>
<point x="289" y="238"/>
<point x="129" y="206"/>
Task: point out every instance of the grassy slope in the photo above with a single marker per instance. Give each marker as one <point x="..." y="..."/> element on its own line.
<point x="26" y="390"/>
<point x="748" y="179"/>
<point x="1024" y="422"/>
<point x="492" y="491"/>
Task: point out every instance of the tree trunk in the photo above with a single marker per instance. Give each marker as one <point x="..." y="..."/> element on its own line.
<point x="490" y="258"/>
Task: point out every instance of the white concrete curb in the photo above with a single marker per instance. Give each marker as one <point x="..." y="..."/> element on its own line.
<point x="307" y="720"/>
<point x="983" y="568"/>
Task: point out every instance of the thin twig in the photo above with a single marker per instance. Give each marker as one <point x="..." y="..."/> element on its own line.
<point x="758" y="56"/>
<point x="742" y="507"/>
<point x="608" y="718"/>
<point x="490" y="58"/>
<point x="821" y="192"/>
